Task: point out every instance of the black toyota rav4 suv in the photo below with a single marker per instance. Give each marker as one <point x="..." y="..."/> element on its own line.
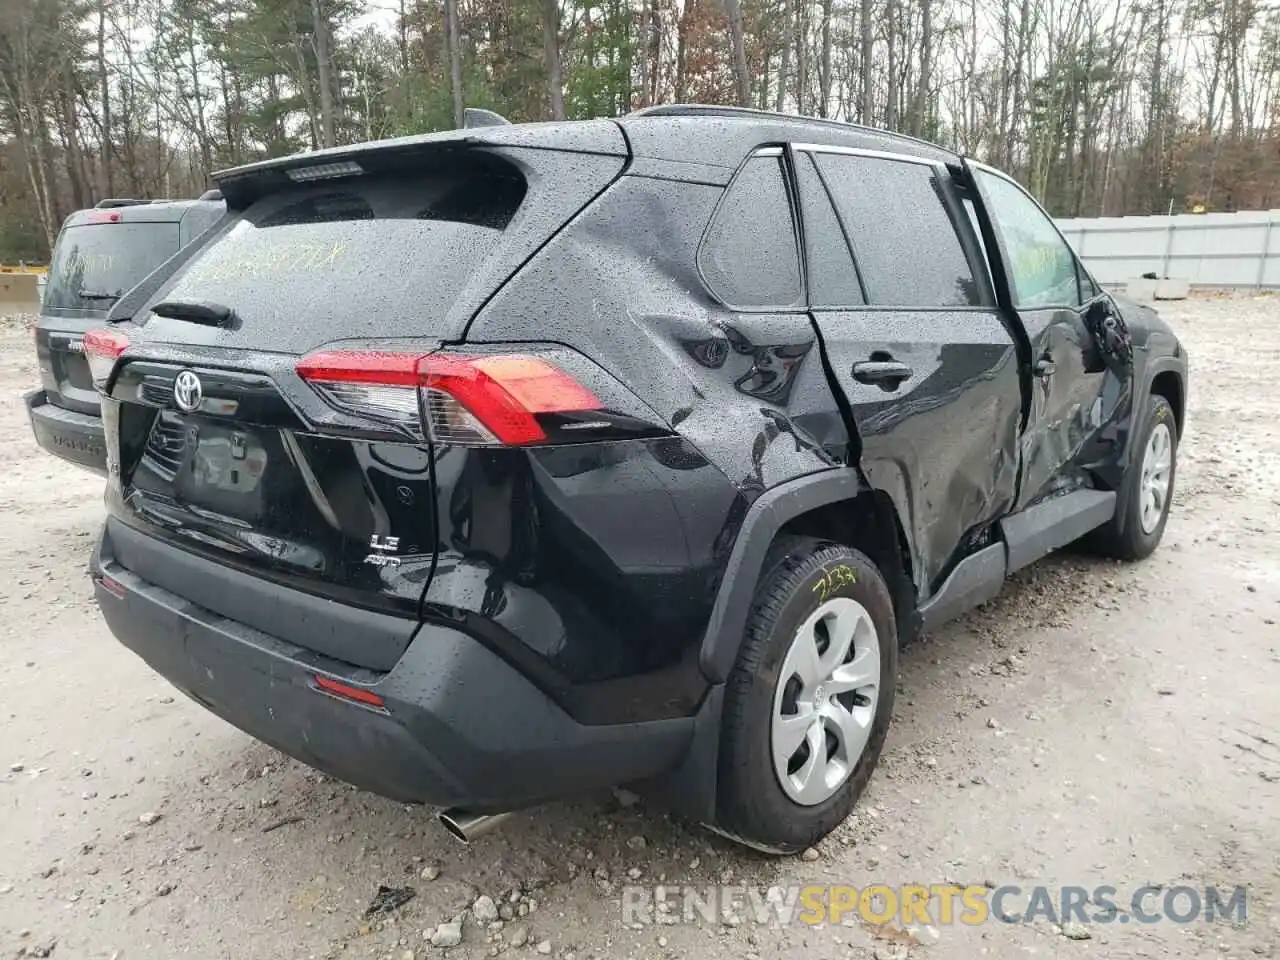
<point x="492" y="466"/>
<point x="99" y="255"/>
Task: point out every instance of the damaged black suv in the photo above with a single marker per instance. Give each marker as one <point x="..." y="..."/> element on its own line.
<point x="487" y="467"/>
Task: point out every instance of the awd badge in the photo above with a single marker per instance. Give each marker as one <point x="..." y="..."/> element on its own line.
<point x="382" y="548"/>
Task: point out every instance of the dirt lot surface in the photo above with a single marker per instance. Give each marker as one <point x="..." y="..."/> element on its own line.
<point x="1097" y="724"/>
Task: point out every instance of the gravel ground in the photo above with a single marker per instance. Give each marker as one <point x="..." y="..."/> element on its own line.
<point x="1096" y="724"/>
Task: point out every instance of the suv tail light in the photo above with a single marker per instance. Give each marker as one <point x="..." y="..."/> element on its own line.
<point x="484" y="400"/>
<point x="102" y="347"/>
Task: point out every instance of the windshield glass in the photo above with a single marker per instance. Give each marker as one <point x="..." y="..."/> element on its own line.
<point x="95" y="264"/>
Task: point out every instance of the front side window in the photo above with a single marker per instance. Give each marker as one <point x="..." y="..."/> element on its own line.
<point x="749" y="257"/>
<point x="1042" y="268"/>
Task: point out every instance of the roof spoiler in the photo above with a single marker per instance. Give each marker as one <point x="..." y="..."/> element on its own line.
<point x="242" y="185"/>
<point x="475" y="117"/>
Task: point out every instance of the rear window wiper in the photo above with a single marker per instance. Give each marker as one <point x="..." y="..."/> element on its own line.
<point x="195" y="311"/>
<point x="98" y="295"/>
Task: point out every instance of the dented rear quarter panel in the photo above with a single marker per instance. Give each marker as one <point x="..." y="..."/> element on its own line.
<point x="745" y="397"/>
<point x="600" y="564"/>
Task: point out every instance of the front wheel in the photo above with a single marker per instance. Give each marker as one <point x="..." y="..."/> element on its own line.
<point x="809" y="700"/>
<point x="1135" y="531"/>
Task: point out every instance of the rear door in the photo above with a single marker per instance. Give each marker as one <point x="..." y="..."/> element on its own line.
<point x="915" y="343"/>
<point x="266" y="414"/>
<point x="1071" y="397"/>
<point x="97" y="258"/>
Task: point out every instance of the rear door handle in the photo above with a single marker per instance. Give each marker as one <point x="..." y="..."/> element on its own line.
<point x="888" y="374"/>
<point x="1045" y="367"/>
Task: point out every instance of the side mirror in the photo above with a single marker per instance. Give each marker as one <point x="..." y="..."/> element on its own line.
<point x="1100" y="310"/>
<point x="1109" y="331"/>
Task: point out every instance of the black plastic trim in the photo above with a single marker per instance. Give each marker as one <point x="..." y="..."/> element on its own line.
<point x="1045" y="526"/>
<point x="69" y="435"/>
<point x="975" y="580"/>
<point x="459" y="726"/>
<point x="1155" y="366"/>
<point x="348" y="633"/>
<point x="1151" y="368"/>
<point x="766" y="516"/>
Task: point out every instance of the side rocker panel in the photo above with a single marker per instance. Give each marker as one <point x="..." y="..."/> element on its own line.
<point x="1044" y="527"/>
<point x="975" y="580"/>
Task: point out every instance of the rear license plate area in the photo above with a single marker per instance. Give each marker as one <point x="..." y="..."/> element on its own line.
<point x="206" y="462"/>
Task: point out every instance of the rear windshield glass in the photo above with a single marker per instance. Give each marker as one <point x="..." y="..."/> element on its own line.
<point x="95" y="264"/>
<point x="331" y="257"/>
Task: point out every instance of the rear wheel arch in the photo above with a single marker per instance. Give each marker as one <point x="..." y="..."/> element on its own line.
<point x="868" y="522"/>
<point x="835" y="505"/>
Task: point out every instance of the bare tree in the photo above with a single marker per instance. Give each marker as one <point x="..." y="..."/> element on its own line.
<point x="891" y="65"/>
<point x="551" y="53"/>
<point x="824" y="62"/>
<point x="646" y="23"/>
<point x="800" y="38"/>
<point x="104" y="89"/>
<point x="324" y="71"/>
<point x="920" y="110"/>
<point x="784" y="66"/>
<point x="455" y="59"/>
<point x="733" y="10"/>
<point x="867" y="105"/>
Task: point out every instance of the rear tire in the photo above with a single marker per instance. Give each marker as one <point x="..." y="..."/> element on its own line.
<point x="1147" y="487"/>
<point x="809" y="700"/>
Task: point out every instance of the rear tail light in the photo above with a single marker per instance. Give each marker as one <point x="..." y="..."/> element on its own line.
<point x="466" y="400"/>
<point x="102" y="347"/>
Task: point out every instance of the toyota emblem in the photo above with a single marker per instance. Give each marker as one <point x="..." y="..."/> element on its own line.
<point x="187" y="391"/>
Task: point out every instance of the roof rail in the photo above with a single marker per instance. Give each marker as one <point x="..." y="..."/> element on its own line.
<point x="714" y="110"/>
<point x="110" y="202"/>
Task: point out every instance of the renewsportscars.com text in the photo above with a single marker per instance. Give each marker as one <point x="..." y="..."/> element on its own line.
<point x="935" y="904"/>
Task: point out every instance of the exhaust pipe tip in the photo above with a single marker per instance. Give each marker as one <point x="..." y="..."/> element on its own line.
<point x="467" y="826"/>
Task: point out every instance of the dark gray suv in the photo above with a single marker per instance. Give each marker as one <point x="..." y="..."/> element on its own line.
<point x="100" y="254"/>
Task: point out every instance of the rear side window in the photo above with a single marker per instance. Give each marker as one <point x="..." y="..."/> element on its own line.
<point x="833" y="277"/>
<point x="344" y="255"/>
<point x="902" y="235"/>
<point x="95" y="264"/>
<point x="749" y="257"/>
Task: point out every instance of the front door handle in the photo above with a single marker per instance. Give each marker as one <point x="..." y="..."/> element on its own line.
<point x="1045" y="367"/>
<point x="888" y="374"/>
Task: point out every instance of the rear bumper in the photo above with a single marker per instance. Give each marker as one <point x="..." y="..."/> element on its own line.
<point x="460" y="726"/>
<point x="72" y="436"/>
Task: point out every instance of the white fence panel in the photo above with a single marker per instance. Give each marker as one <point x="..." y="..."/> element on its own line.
<point x="1206" y="249"/>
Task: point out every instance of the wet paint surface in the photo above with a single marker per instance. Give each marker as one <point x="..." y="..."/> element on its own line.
<point x="594" y="566"/>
